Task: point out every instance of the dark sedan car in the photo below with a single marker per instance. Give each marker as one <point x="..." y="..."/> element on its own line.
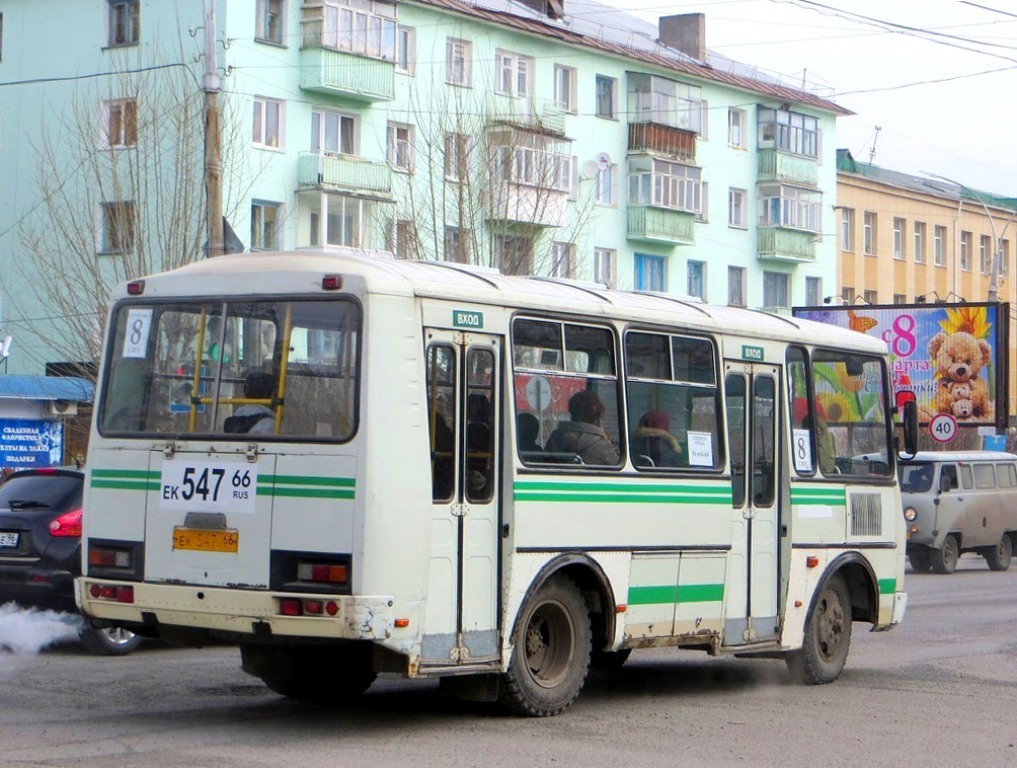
<point x="40" y="549"/>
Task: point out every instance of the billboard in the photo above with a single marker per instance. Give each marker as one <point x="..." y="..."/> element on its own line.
<point x="31" y="443"/>
<point x="952" y="358"/>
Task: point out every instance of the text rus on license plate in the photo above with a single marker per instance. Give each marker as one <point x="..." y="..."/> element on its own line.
<point x="8" y="539"/>
<point x="208" y="486"/>
<point x="201" y="540"/>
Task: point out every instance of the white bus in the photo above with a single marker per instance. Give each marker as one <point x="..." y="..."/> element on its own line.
<point x="493" y="480"/>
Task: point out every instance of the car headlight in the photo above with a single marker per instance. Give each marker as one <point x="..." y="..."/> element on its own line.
<point x="910" y="514"/>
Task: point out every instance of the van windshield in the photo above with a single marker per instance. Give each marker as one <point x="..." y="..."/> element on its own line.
<point x="916" y="478"/>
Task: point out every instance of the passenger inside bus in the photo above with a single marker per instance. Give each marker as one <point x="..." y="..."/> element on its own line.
<point x="653" y="444"/>
<point x="254" y="418"/>
<point x="583" y="435"/>
<point x="527" y="432"/>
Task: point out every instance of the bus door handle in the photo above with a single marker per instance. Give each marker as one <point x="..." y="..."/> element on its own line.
<point x="460" y="510"/>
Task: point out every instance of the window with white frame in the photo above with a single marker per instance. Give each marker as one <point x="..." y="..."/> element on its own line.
<point x="965" y="251"/>
<point x="124" y="22"/>
<point x="1004" y="258"/>
<point x="869" y="233"/>
<point x="789" y="132"/>
<point x="406" y="49"/>
<point x="457" y="156"/>
<point x="334" y="132"/>
<point x="605" y="266"/>
<point x="870" y="297"/>
<point x="648" y="273"/>
<point x="603" y="189"/>
<point x="655" y="99"/>
<point x="665" y="184"/>
<point x="268" y="123"/>
<point x="400" y="146"/>
<point x="403" y="239"/>
<point x="813" y="291"/>
<point x="781" y="205"/>
<point x="366" y="27"/>
<point x="265" y="220"/>
<point x="919" y="243"/>
<point x="697" y="279"/>
<point x="271" y="15"/>
<point x="738" y="208"/>
<point x="900" y="298"/>
<point x="456" y="245"/>
<point x="458" y="61"/>
<point x="562" y="259"/>
<point x="939" y="245"/>
<point x="703" y="214"/>
<point x="776" y="289"/>
<point x="847" y="229"/>
<point x="119" y="124"/>
<point x="607" y="97"/>
<point x="116" y="227"/>
<point x="565" y="87"/>
<point x="343" y="222"/>
<point x="513" y="74"/>
<point x="736" y="121"/>
<point x="847" y="295"/>
<point x="985" y="254"/>
<point x="533" y="166"/>
<point x="512" y="254"/>
<point x="898" y="237"/>
<point x="736" y="286"/>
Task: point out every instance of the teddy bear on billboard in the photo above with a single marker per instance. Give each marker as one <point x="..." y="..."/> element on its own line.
<point x="959" y="358"/>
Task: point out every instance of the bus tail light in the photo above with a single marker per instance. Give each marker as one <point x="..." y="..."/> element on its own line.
<point x="295" y="606"/>
<point x="811" y="561"/>
<point x="116" y="593"/>
<point x="109" y="558"/>
<point x="322" y="573"/>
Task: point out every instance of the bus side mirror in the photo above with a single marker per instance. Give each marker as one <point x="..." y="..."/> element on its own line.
<point x="910" y="424"/>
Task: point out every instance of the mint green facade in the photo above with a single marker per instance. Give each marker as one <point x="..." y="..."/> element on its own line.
<point x="646" y="186"/>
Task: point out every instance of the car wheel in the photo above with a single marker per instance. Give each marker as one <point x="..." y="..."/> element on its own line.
<point x="1000" y="556"/>
<point x="945" y="560"/>
<point x="921" y="560"/>
<point x="110" y="641"/>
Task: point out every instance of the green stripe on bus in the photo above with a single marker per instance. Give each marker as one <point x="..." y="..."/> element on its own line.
<point x="344" y="482"/>
<point x="656" y="493"/>
<point x="670" y="593"/>
<point x="833" y="496"/>
<point x="887" y="586"/>
<point x="291" y="486"/>
<point x="125" y="479"/>
<point x="306" y="493"/>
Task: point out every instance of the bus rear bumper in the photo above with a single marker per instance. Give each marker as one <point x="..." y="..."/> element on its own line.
<point x="261" y="614"/>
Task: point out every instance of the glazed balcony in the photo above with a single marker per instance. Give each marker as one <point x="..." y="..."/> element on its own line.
<point x="542" y="116"/>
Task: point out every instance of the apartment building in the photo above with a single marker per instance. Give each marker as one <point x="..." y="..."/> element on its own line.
<point x="565" y="139"/>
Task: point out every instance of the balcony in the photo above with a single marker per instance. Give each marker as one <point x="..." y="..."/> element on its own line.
<point x="514" y="203"/>
<point x="793" y="245"/>
<point x="333" y="72"/>
<point x="661" y="225"/>
<point x="542" y="116"/>
<point x="775" y="165"/>
<point x="662" y="139"/>
<point x="332" y="172"/>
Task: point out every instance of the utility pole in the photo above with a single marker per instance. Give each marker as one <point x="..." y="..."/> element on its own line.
<point x="213" y="145"/>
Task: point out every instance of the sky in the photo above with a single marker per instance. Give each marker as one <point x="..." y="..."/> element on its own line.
<point x="932" y="83"/>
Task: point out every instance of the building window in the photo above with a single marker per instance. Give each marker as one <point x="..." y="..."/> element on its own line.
<point x="939" y="245"/>
<point x="869" y="234"/>
<point x="334" y="132"/>
<point x="900" y="298"/>
<point x="781" y="205"/>
<point x="736" y="119"/>
<point x="603" y="192"/>
<point x="400" y="146"/>
<point x="898" y="238"/>
<point x="565" y="87"/>
<point x="117" y="228"/>
<point x="455" y="245"/>
<point x="265" y="219"/>
<point x="789" y="132"/>
<point x="513" y="74"/>
<point x="268" y="123"/>
<point x="813" y="291"/>
<point x="703" y="214"/>
<point x="605" y="266"/>
<point x="847" y="229"/>
<point x="736" y="286"/>
<point x="607" y="97"/>
<point x="776" y="289"/>
<point x="1004" y="258"/>
<point x="648" y="273"/>
<point x="403" y="239"/>
<point x="847" y="295"/>
<point x="119" y="124"/>
<point x="870" y="297"/>
<point x="367" y="28"/>
<point x="533" y="166"/>
<point x="344" y="221"/>
<point x="737" y="208"/>
<point x="458" y="62"/>
<point x="985" y="254"/>
<point x="406" y="49"/>
<point x="562" y="259"/>
<point x="665" y="184"/>
<point x="513" y="254"/>
<point x="697" y="280"/>
<point x="919" y="242"/>
<point x="269" y="25"/>
<point x="124" y="22"/>
<point x="668" y="102"/>
<point x="457" y="156"/>
<point x="965" y="251"/>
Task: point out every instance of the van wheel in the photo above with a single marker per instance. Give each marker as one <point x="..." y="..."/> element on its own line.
<point x="827" y="638"/>
<point x="109" y="641"/>
<point x="945" y="560"/>
<point x="999" y="556"/>
<point x="921" y="560"/>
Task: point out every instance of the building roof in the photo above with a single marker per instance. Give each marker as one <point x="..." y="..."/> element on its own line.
<point x="591" y="24"/>
<point x="25" y="387"/>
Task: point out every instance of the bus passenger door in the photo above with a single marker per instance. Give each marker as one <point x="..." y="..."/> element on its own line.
<point x="751" y="403"/>
<point x="461" y="620"/>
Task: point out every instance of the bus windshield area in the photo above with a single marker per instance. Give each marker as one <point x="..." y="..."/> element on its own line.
<point x="271" y="368"/>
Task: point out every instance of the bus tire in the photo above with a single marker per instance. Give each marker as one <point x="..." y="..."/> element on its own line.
<point x="944" y="560"/>
<point x="551" y="651"/>
<point x="920" y="559"/>
<point x="1000" y="556"/>
<point x="827" y="639"/>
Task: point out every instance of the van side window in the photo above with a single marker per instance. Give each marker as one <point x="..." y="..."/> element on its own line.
<point x="1006" y="474"/>
<point x="965" y="475"/>
<point x="950" y="471"/>
<point x="985" y="476"/>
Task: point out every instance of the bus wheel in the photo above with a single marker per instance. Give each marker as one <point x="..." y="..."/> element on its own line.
<point x="322" y="674"/>
<point x="827" y="636"/>
<point x="945" y="560"/>
<point x="608" y="661"/>
<point x="921" y="560"/>
<point x="999" y="556"/>
<point x="551" y="653"/>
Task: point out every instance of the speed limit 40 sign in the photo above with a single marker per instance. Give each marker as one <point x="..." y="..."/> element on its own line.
<point x="943" y="427"/>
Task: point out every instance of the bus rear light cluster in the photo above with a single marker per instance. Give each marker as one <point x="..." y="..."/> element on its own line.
<point x="322" y="573"/>
<point x="293" y="606"/>
<point x="117" y="593"/>
<point x="109" y="558"/>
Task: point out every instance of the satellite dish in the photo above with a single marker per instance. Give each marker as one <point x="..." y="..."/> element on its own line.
<point x="603" y="161"/>
<point x="591" y="169"/>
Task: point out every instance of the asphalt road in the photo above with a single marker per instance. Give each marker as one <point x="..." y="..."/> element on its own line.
<point x="940" y="690"/>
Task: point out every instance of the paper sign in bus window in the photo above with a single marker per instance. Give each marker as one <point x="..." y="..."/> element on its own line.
<point x="139" y="323"/>
<point x="700" y="449"/>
